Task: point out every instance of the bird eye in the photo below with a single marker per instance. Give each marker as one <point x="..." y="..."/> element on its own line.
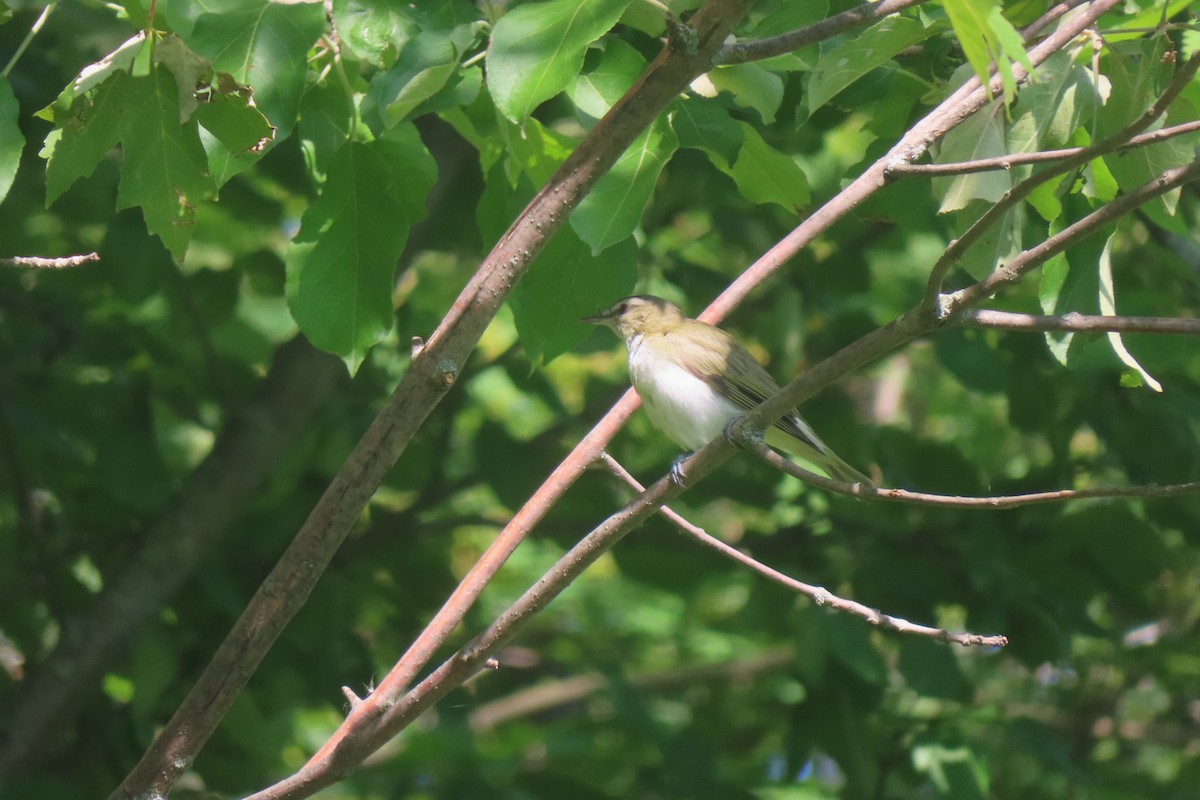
<point x="622" y="307"/>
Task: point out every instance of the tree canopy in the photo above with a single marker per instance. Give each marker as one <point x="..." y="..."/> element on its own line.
<point x="312" y="479"/>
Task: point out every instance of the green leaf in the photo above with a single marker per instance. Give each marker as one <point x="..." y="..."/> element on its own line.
<point x="327" y="120"/>
<point x="234" y="120"/>
<point x="535" y="150"/>
<point x="1070" y="282"/>
<point x="752" y="87"/>
<point x="412" y="166"/>
<point x="165" y="169"/>
<point x="980" y="136"/>
<point x="705" y="126"/>
<point x="844" y="63"/>
<point x="12" y="141"/>
<point x="596" y="91"/>
<point x="538" y="48"/>
<point x="1108" y="307"/>
<point x="264" y="45"/>
<point x="342" y="263"/>
<point x="931" y="670"/>
<point x="425" y="65"/>
<point x="1047" y="113"/>
<point x="566" y="281"/>
<point x="374" y="30"/>
<point x="612" y="209"/>
<point x="1050" y="288"/>
<point x="765" y="175"/>
<point x="87" y="134"/>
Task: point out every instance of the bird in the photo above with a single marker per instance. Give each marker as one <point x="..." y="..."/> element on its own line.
<point x="694" y="379"/>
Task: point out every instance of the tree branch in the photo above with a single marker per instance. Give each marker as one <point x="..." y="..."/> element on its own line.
<point x="920" y="321"/>
<point x="1079" y="323"/>
<point x="37" y="262"/>
<point x="1041" y="157"/>
<point x="857" y="17"/>
<point x="969" y="97"/>
<point x="993" y="502"/>
<point x="818" y="594"/>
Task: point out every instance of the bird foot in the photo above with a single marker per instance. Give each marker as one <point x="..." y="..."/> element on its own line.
<point x="677" y="475"/>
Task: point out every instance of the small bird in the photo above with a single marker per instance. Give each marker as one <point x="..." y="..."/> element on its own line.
<point x="695" y="379"/>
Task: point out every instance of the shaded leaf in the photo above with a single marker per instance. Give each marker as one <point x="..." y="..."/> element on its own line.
<point x="537" y="49"/>
<point x="567" y="281"/>
<point x="844" y="63"/>
<point x="341" y="265"/>
<point x="765" y="175"/>
<point x="612" y="209"/>
<point x="165" y="169"/>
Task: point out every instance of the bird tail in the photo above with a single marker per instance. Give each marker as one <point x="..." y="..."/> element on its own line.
<point x="818" y="454"/>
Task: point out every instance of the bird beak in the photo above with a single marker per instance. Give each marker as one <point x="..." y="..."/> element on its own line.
<point x="595" y="319"/>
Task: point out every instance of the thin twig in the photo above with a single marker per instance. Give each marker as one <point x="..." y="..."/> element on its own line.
<point x="993" y="502"/>
<point x="624" y="475"/>
<point x="818" y="594"/>
<point x="37" y="262"/>
<point x="1041" y="157"/>
<point x="857" y="17"/>
<point x="33" y="31"/>
<point x="1079" y="323"/>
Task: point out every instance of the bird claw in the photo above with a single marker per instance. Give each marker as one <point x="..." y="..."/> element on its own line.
<point x="677" y="475"/>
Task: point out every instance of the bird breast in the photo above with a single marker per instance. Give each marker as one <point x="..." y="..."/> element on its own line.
<point x="682" y="406"/>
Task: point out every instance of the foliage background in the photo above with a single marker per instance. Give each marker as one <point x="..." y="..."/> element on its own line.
<point x="118" y="381"/>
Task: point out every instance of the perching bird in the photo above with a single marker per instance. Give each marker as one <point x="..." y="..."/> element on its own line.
<point x="695" y="379"/>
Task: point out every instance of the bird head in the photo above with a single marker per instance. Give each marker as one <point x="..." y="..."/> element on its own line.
<point x="641" y="314"/>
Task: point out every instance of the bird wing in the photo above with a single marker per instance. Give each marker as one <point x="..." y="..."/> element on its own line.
<point x="737" y="375"/>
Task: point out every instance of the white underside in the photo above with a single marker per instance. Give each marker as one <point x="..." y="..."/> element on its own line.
<point x="679" y="404"/>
